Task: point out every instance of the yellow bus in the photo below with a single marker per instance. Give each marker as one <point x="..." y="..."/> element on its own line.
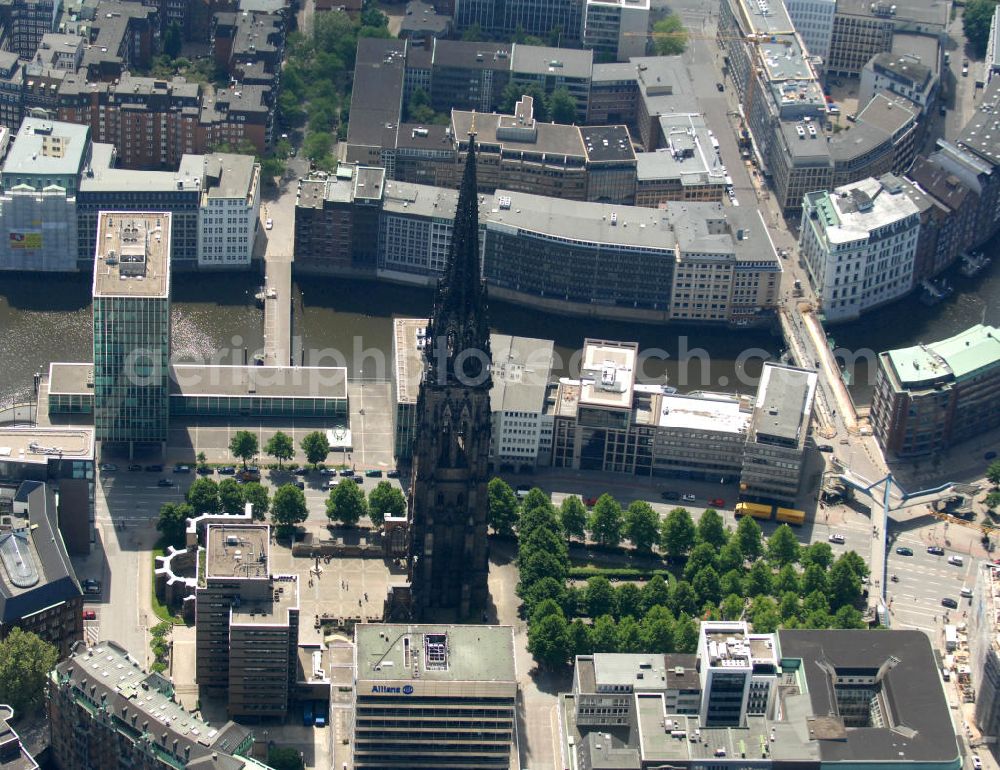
<point x="791" y="516"/>
<point x="756" y="510"/>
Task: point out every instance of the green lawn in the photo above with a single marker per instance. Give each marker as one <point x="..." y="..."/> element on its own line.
<point x="159" y="608"/>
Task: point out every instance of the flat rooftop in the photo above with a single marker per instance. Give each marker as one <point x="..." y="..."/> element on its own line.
<point x="270" y="610"/>
<point x="850" y="213"/>
<point x="258" y="381"/>
<point x="552" y="62"/>
<point x="132" y="257"/>
<point x="39" y="445"/>
<point x="237" y="551"/>
<point x="47" y="147"/>
<point x="438" y="653"/>
<point x="981" y="134"/>
<point x="606" y="144"/>
<point x="607" y="373"/>
<point x="964" y="354"/>
<point x="228" y="175"/>
<point x="784" y="402"/>
<point x="924" y="12"/>
<point x="550" y="139"/>
<point x="464" y="54"/>
<point x="710" y="412"/>
<point x="419" y="200"/>
<point x="639" y="671"/>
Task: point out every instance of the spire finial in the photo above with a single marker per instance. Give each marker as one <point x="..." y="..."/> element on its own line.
<point x="472" y="128"/>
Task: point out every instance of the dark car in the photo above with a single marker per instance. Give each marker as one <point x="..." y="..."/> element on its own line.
<point x="904" y="551"/>
<point x="91" y="586"/>
<point x="182" y="468"/>
<point x="154" y="468"/>
<point x="108" y="467"/>
<point x="991" y="455"/>
<point x="669" y="494"/>
<point x="135" y="467"/>
<point x="374" y="474"/>
<point x="347" y="472"/>
<point x="825" y="448"/>
<point x="165" y="483"/>
<point x="205" y="470"/>
<point x="392" y="474"/>
<point x="935" y="550"/>
<point x="949" y="603"/>
<point x="300" y="484"/>
<point x="300" y="471"/>
<point x="328" y="471"/>
<point x="227" y="470"/>
<point x="359" y="479"/>
<point x="720" y="87"/>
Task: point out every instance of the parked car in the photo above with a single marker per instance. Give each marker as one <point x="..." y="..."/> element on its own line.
<point x="248" y="474"/>
<point x="935" y="550"/>
<point x="109" y="467"/>
<point x="347" y="472"/>
<point x="977" y="763"/>
<point x="374" y="474"/>
<point x="268" y="223"/>
<point x="590" y="502"/>
<point x="956" y="561"/>
<point x="331" y="483"/>
<point x="227" y="470"/>
<point x="717" y="502"/>
<point x="904" y="551"/>
<point x="669" y="494"/>
<point x="154" y="468"/>
<point x="836" y="537"/>
<point x="307" y="713"/>
<point x="688" y="498"/>
<point x="322" y="713"/>
<point x="205" y="470"/>
<point x="949" y="603"/>
<point x="825" y="448"/>
<point x="91" y="586"/>
<point x="89" y="615"/>
<point x="165" y="483"/>
<point x="182" y="468"/>
<point x="393" y="474"/>
<point x="300" y="470"/>
<point x="991" y="455"/>
<point x="720" y="87"/>
<point x="966" y="592"/>
<point x="328" y="471"/>
<point x="300" y="484"/>
<point x="135" y="467"/>
<point x="359" y="479"/>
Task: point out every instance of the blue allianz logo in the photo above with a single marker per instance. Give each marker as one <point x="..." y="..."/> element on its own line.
<point x="408" y="689"/>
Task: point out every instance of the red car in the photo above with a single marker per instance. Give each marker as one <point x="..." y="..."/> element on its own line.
<point x="717" y="502"/>
<point x="89" y="615"/>
<point x="590" y="502"/>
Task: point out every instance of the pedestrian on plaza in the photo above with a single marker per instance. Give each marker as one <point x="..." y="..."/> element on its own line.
<point x="366" y="596"/>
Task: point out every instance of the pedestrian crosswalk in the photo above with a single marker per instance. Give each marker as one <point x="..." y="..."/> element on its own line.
<point x="91" y="633"/>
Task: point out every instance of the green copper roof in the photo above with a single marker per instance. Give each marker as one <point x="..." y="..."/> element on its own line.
<point x="964" y="354"/>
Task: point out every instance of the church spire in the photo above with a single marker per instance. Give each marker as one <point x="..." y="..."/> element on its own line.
<point x="459" y="322"/>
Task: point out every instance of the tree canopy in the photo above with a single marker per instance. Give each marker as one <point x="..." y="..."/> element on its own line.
<point x="288" y="508"/>
<point x="669" y="36"/>
<point x="244" y="445"/>
<point x="606" y="521"/>
<point x="346" y="503"/>
<point x="280" y="447"/>
<point x="573" y="516"/>
<point x="976" y="21"/>
<point x="385" y="500"/>
<point x="258" y="497"/>
<point x="172" y="522"/>
<point x="315" y="446"/>
<point x="25" y="663"/>
<point x="503" y="507"/>
<point x="203" y="496"/>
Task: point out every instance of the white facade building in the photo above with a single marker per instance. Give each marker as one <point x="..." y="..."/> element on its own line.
<point x="813" y="20"/>
<point x="229" y="209"/>
<point x="616" y="27"/>
<point x="859" y="244"/>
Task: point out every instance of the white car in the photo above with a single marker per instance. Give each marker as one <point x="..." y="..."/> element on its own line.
<point x="269" y="223"/>
<point x="836" y="537"/>
<point x="977" y="763"/>
<point x="688" y="498"/>
<point x="956" y="561"/>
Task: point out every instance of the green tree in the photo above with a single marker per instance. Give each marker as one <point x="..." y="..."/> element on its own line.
<point x="578" y="637"/>
<point x="764" y="615"/>
<point x="473" y="33"/>
<point x="788" y="607"/>
<point x="600" y="596"/>
<point x="642" y="525"/>
<point x="787" y="580"/>
<point x="844" y="585"/>
<point x="573" y="516"/>
<point x="546" y="540"/>
<point x="284" y="758"/>
<point x="606" y="521"/>
<point x="655" y="593"/>
<point x="25" y="663"/>
<point x="782" y="546"/>
<point x="257" y="495"/>
<point x="702" y="556"/>
<point x="315" y="446"/>
<point x="678" y="533"/>
<point x="815" y="602"/>
<point x="976" y="23"/>
<point x="543" y="517"/>
<point x="202" y="460"/>
<point x="732" y="607"/>
<point x="711" y="529"/>
<point x="419" y="109"/>
<point x="749" y="538"/>
<point x="172" y="40"/>
<point x="628" y="600"/>
<point x="513" y="92"/>
<point x="562" y="107"/>
<point x="244" y="445"/>
<point x="172" y="523"/>
<point x="733" y="583"/>
<point x="548" y="641"/>
<point x="203" y="496"/>
<point x="686" y="635"/>
<point x="280" y="447"/>
<point x="317" y="146"/>
<point x="847" y="617"/>
<point x="993" y="471"/>
<point x="604" y="635"/>
<point x="683" y="599"/>
<point x="536" y="498"/>
<point x="231" y="496"/>
<point x="657" y="629"/>
<point x="730" y="556"/>
<point x="545" y="608"/>
<point x="540" y="590"/>
<point x="993" y="500"/>
<point x="759" y="580"/>
<point x="346" y="503"/>
<point x="707" y="586"/>
<point x="629" y="635"/>
<point x="818" y="553"/>
<point x="813" y="579"/>
<point x="502" y="506"/>
<point x="288" y="508"/>
<point x="669" y="36"/>
<point x="385" y="500"/>
<point x="539" y="564"/>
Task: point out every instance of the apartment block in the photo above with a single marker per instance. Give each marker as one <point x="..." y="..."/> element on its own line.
<point x="859" y="244"/>
<point x="431" y="696"/>
<point x="39" y="591"/>
<point x="105" y="711"/>
<point x="229" y="210"/>
<point x="247" y="623"/>
<point x="29" y="21"/>
<point x="775" y="450"/>
<point x="930" y="397"/>
<point x="131" y="298"/>
<point x="616" y="28"/>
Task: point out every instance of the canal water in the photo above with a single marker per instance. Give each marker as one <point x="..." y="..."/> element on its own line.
<point x="342" y="322"/>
